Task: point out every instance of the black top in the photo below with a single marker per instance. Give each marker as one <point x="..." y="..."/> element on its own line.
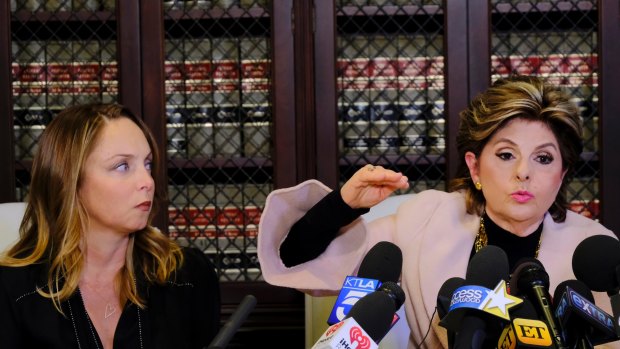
<point x="312" y="233"/>
<point x="184" y="313"/>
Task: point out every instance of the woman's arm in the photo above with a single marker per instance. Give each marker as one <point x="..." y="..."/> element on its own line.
<point x="312" y="233"/>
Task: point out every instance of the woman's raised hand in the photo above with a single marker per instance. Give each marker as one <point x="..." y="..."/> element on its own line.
<point x="371" y="185"/>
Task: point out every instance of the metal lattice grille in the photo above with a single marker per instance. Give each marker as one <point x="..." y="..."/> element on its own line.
<point x="556" y="40"/>
<point x="391" y="88"/>
<point x="218" y="85"/>
<point x="63" y="53"/>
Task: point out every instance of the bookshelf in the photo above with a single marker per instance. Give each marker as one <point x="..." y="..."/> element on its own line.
<point x="248" y="96"/>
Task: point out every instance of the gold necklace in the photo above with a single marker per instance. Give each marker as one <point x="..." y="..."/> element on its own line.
<point x="482" y="239"/>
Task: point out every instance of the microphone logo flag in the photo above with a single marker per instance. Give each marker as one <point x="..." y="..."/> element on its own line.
<point x="532" y="332"/>
<point x="359" y="336"/>
<point x="525" y="332"/>
<point x="347" y="334"/>
<point x="353" y="289"/>
<point x="496" y="302"/>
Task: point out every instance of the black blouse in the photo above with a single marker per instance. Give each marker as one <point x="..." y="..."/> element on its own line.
<point x="184" y="313"/>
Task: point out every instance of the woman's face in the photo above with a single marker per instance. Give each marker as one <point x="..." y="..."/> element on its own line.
<point x="520" y="170"/>
<point x="117" y="187"/>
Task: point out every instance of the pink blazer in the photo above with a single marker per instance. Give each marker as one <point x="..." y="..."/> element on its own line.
<point x="435" y="235"/>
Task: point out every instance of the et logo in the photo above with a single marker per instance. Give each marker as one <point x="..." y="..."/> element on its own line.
<point x="532" y="332"/>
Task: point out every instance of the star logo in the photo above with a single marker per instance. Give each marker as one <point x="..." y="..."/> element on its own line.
<point x="498" y="301"/>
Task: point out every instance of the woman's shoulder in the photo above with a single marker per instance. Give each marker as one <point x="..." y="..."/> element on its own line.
<point x="196" y="268"/>
<point x="21" y="281"/>
<point x="578" y="223"/>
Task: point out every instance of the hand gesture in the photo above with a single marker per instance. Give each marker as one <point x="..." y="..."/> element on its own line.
<point x="371" y="185"/>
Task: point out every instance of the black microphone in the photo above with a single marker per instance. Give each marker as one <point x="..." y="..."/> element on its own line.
<point x="371" y="316"/>
<point x="231" y="326"/>
<point x="377" y="322"/>
<point x="596" y="262"/>
<point x="575" y="328"/>
<point x="530" y="280"/>
<point x="383" y="262"/>
<point x="525" y="330"/>
<point x="444" y="297"/>
<point x="487" y="268"/>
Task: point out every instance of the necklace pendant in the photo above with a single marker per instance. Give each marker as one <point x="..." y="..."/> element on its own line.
<point x="109" y="310"/>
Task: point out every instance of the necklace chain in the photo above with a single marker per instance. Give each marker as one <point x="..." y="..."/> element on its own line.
<point x="110" y="308"/>
<point x="482" y="239"/>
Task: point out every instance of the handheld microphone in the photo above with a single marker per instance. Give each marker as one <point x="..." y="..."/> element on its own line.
<point x="530" y="279"/>
<point x="231" y="326"/>
<point x="585" y="325"/>
<point x="444" y="297"/>
<point x="367" y="322"/>
<point x="525" y="330"/>
<point x="382" y="263"/>
<point x="596" y="262"/>
<point x="473" y="324"/>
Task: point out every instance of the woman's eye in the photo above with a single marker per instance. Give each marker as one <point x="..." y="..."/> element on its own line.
<point x="504" y="156"/>
<point x="122" y="167"/>
<point x="149" y="165"/>
<point x="544" y="159"/>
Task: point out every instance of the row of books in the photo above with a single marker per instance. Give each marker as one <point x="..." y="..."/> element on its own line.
<point x="62" y="5"/>
<point x="53" y="74"/>
<point x="208" y="4"/>
<point x="206" y="140"/>
<point x="363" y="69"/>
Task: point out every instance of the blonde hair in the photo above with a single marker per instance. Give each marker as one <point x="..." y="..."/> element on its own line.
<point x="51" y="230"/>
<point x="522" y="97"/>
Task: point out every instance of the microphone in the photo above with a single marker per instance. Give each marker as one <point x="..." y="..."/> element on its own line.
<point x="474" y="307"/>
<point x="231" y="326"/>
<point x="525" y="330"/>
<point x="444" y="297"/>
<point x="367" y="322"/>
<point x="383" y="262"/>
<point x="532" y="281"/>
<point x="585" y="325"/>
<point x="596" y="262"/>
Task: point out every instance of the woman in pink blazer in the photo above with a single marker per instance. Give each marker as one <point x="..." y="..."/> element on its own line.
<point x="519" y="142"/>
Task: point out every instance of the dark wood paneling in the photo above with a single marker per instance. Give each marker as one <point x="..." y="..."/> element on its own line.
<point x="7" y="155"/>
<point x="153" y="94"/>
<point x="479" y="46"/>
<point x="277" y="318"/>
<point x="456" y="75"/>
<point x="305" y="115"/>
<point x="609" y="112"/>
<point x="284" y="137"/>
<point x="128" y="55"/>
<point x="326" y="94"/>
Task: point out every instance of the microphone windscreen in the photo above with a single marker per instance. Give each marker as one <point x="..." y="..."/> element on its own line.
<point x="393" y="290"/>
<point x="374" y="313"/>
<point x="577" y="286"/>
<point x="527" y="272"/>
<point x="383" y="262"/>
<point x="595" y="261"/>
<point x="525" y="310"/>
<point x="444" y="296"/>
<point x="487" y="267"/>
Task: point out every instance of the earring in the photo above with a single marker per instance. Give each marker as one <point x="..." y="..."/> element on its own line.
<point x="478" y="185"/>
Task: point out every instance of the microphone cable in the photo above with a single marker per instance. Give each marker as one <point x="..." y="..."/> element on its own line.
<point x="428" y="330"/>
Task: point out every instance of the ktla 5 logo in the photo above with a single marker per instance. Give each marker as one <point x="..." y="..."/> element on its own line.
<point x="532" y="332"/>
<point x="348" y="301"/>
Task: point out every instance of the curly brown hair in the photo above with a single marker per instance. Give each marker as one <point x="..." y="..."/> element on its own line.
<point x="524" y="97"/>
